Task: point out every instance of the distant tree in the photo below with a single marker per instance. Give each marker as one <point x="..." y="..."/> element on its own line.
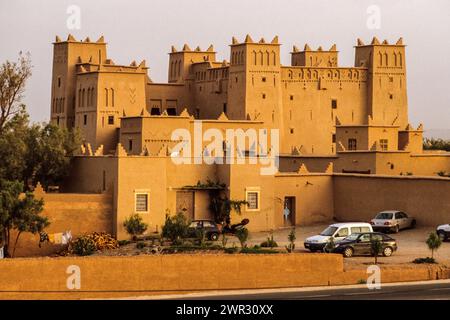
<point x="436" y="144"/>
<point x="36" y="153"/>
<point x="18" y="212"/>
<point x="13" y="77"/>
<point x="433" y="243"/>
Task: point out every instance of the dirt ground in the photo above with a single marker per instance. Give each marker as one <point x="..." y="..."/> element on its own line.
<point x="411" y="245"/>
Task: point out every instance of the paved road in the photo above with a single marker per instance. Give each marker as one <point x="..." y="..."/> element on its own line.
<point x="435" y="290"/>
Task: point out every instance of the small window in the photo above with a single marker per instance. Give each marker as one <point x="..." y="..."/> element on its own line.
<point x="264" y="79"/>
<point x="263" y="95"/>
<point x="85" y="119"/>
<point x="130" y="145"/>
<point x="155" y="112"/>
<point x="252" y="199"/>
<point x="225" y="107"/>
<point x="110" y="120"/>
<point x="291" y="97"/>
<point x="355" y="230"/>
<point x="365" y="237"/>
<point x="391" y="79"/>
<point x="141" y="204"/>
<point x="391" y="96"/>
<point x="352" y="144"/>
<point x="384" y="144"/>
<point x="292" y="130"/>
<point x="171" y="111"/>
<point x="333" y="138"/>
<point x="334" y="103"/>
<point x="342" y="233"/>
<point x="59" y="82"/>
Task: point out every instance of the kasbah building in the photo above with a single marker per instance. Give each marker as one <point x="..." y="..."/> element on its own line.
<point x="346" y="148"/>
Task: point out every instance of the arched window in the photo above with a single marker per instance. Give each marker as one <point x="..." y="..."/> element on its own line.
<point x="179" y="68"/>
<point x="82" y="98"/>
<point x="255" y="61"/>
<point x="395" y="59"/>
<point x="79" y="98"/>
<point x="106" y="97"/>
<point x="400" y="59"/>
<point x="261" y="58"/>
<point x="92" y="96"/>
<point x="274" y="58"/>
<point x="386" y="59"/>
<point x="310" y="61"/>
<point x="89" y="97"/>
<point x="268" y="58"/>
<point x="112" y="97"/>
<point x="381" y="58"/>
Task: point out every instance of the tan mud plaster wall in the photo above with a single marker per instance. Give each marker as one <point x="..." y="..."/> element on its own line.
<point x="80" y="213"/>
<point x="360" y="197"/>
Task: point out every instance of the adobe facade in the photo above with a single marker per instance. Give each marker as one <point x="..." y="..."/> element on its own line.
<point x="331" y="119"/>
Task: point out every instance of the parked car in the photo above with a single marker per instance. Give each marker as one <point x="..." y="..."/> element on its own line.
<point x="360" y="244"/>
<point x="208" y="226"/>
<point x="338" y="231"/>
<point x="443" y="231"/>
<point x="392" y="220"/>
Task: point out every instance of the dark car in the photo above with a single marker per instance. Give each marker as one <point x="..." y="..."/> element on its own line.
<point x="208" y="226"/>
<point x="360" y="244"/>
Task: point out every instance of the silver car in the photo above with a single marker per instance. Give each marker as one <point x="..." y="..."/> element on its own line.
<point x="392" y="220"/>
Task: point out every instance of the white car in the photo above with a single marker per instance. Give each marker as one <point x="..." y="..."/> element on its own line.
<point x="338" y="231"/>
<point x="443" y="231"/>
<point x="392" y="220"/>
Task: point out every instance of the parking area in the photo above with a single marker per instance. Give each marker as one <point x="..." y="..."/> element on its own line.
<point x="411" y="244"/>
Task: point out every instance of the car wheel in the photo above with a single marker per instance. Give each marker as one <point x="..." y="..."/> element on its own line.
<point x="396" y="229"/>
<point x="413" y="224"/>
<point x="348" y="252"/>
<point x="387" y="252"/>
<point x="442" y="236"/>
<point x="213" y="236"/>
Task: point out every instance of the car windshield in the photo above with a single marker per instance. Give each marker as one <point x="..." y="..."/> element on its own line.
<point x="328" y="231"/>
<point x="352" y="237"/>
<point x="384" y="216"/>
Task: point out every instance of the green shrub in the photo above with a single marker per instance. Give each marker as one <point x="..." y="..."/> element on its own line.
<point x="175" y="228"/>
<point x="135" y="226"/>
<point x="329" y="247"/>
<point x="140" y="245"/>
<point x="242" y="235"/>
<point x="123" y="242"/>
<point x="424" y="260"/>
<point x="83" y="246"/>
<point x="269" y="243"/>
<point x="291" y="237"/>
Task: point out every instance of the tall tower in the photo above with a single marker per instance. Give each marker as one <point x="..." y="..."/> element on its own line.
<point x="386" y="95"/>
<point x="254" y="85"/>
<point x="180" y="61"/>
<point x="66" y="55"/>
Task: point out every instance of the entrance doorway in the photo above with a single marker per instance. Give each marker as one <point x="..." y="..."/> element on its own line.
<point x="185" y="203"/>
<point x="289" y="211"/>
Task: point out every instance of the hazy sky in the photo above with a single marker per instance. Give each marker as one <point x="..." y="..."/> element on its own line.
<point x="137" y="30"/>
